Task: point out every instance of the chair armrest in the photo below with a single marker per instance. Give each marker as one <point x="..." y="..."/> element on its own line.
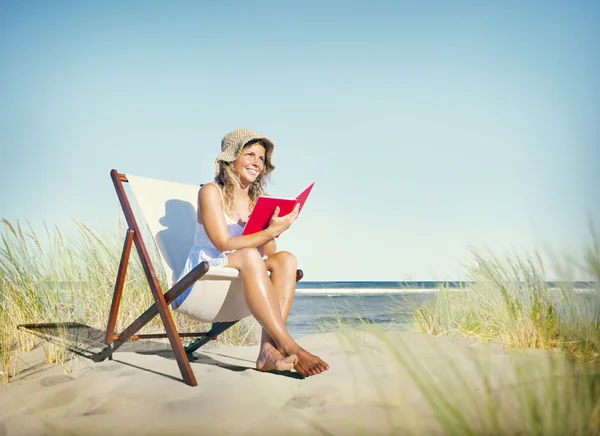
<point x="186" y="281"/>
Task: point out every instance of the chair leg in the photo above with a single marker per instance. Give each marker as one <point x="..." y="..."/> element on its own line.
<point x="116" y="301"/>
<point x="217" y="329"/>
<point x="180" y="356"/>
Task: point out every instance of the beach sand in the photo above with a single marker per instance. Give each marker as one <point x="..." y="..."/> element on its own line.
<point x="368" y="390"/>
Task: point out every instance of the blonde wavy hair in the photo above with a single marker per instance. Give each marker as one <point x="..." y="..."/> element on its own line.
<point x="229" y="180"/>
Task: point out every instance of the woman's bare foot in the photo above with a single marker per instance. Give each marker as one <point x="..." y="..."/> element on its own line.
<point x="309" y="364"/>
<point x="270" y="359"/>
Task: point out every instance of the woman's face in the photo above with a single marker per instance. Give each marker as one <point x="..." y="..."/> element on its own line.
<point x="250" y="163"/>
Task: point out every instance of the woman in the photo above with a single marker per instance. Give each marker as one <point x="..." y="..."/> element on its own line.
<point x="242" y="170"/>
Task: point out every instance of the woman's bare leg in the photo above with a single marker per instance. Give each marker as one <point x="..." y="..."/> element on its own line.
<point x="264" y="304"/>
<point x="283" y="267"/>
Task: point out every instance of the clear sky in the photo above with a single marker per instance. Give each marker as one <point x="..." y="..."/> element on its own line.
<point x="429" y="127"/>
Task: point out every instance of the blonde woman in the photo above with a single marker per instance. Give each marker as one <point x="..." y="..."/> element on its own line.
<point x="242" y="171"/>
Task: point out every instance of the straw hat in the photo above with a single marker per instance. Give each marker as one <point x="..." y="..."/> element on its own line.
<point x="233" y="142"/>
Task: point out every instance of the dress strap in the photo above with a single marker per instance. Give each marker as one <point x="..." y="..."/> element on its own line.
<point x="220" y="191"/>
<point x="227" y="217"/>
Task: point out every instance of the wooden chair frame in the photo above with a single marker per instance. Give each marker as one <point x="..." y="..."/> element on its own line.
<point x="161" y="300"/>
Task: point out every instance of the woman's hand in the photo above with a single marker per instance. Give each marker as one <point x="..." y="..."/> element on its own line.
<point x="278" y="224"/>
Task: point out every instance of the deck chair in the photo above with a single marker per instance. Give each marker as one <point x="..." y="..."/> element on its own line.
<point x="169" y="210"/>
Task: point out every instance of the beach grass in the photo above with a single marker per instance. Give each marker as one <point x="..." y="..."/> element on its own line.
<point x="53" y="278"/>
<point x="508" y="299"/>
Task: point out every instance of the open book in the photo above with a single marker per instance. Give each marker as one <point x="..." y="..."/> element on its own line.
<point x="265" y="206"/>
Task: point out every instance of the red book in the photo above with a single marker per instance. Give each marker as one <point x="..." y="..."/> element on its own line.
<point x="265" y="206"/>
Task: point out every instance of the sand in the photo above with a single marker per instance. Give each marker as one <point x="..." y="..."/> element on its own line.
<point x="369" y="389"/>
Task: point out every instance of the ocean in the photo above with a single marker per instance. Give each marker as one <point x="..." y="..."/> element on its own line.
<point x="321" y="306"/>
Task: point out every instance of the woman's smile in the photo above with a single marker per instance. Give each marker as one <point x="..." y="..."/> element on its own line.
<point x="250" y="163"/>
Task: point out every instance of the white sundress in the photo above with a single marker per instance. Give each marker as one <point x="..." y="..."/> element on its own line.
<point x="204" y="250"/>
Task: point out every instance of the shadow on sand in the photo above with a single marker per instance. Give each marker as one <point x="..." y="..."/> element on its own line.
<point x="88" y="342"/>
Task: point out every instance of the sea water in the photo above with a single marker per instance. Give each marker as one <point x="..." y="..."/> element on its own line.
<point x="329" y="306"/>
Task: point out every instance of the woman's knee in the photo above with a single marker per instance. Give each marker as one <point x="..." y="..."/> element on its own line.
<point x="286" y="260"/>
<point x="249" y="257"/>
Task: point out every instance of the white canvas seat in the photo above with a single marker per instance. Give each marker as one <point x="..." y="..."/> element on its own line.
<point x="169" y="210"/>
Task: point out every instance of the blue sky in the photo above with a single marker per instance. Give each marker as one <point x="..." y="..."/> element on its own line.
<point x="429" y="127"/>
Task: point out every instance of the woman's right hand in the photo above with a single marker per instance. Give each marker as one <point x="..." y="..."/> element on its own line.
<point x="280" y="224"/>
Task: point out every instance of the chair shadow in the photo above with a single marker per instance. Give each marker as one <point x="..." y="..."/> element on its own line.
<point x="87" y="342"/>
<point x="80" y="339"/>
